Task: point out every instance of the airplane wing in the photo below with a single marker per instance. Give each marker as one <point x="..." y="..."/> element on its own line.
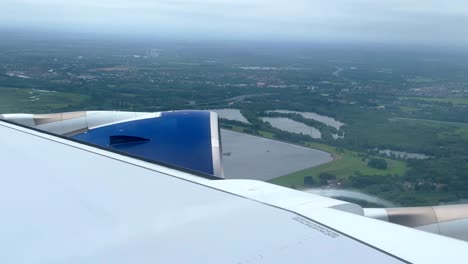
<point x="64" y="201"/>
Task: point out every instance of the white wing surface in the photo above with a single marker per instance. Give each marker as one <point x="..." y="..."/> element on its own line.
<point x="65" y="202"/>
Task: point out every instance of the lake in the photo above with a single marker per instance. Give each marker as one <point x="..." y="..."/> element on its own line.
<point x="292" y="126"/>
<point x="329" y="121"/>
<point x="252" y="157"/>
<point x="230" y="114"/>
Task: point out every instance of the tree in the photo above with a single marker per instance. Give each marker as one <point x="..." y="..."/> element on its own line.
<point x="309" y="181"/>
<point x="376" y="163"/>
<point x="325" y="177"/>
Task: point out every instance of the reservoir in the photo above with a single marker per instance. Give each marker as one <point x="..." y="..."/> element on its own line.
<point x="292" y="126"/>
<point x="252" y="157"/>
<point x="319" y="118"/>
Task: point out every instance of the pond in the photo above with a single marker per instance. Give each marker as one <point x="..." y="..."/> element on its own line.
<point x="329" y="121"/>
<point x="292" y="126"/>
<point x="403" y="154"/>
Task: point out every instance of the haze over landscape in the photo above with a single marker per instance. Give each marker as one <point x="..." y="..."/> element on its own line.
<point x="430" y="22"/>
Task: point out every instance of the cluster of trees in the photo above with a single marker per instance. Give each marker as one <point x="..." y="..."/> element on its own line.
<point x="377" y="163"/>
<point x="323" y="179"/>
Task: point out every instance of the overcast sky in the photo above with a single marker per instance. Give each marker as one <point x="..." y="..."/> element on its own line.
<point x="403" y="21"/>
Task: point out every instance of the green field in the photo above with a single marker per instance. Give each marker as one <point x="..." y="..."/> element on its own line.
<point x="453" y="100"/>
<point x="344" y="165"/>
<point x="14" y="100"/>
<point x="462" y="133"/>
